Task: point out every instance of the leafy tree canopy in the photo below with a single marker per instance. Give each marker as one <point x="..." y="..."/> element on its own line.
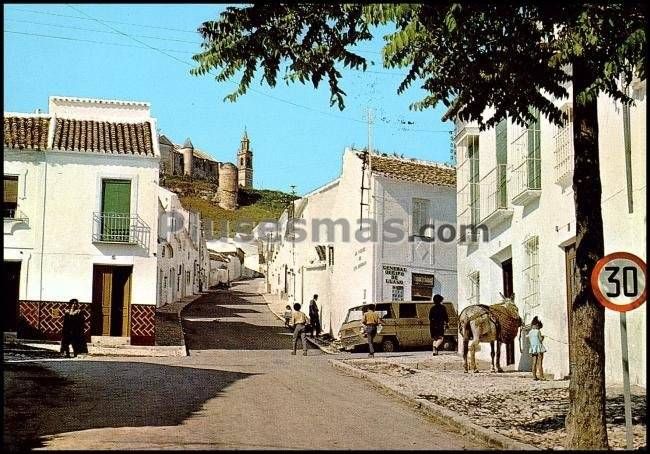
<point x="501" y="54"/>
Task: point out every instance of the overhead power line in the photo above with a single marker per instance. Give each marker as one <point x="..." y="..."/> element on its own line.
<point x="66" y="38"/>
<point x="145" y="45"/>
<point x="100" y="31"/>
<point x="112" y="21"/>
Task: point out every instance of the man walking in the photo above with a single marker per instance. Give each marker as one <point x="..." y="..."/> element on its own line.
<point x="370" y="320"/>
<point x="314" y="317"/>
<point x="438" y="320"/>
<point x="299" y="320"/>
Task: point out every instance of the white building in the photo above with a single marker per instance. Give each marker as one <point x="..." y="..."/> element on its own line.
<point x="80" y="218"/>
<point x="518" y="183"/>
<point x="390" y="257"/>
<point x="225" y="248"/>
<point x="183" y="258"/>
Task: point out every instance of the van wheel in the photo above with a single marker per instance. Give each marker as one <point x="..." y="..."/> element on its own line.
<point x="389" y="345"/>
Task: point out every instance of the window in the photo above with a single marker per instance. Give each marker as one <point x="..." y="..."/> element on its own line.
<point x="531" y="272"/>
<point x="421" y="287"/>
<point x="116" y="207"/>
<point x="420" y="214"/>
<point x="563" y="137"/>
<point x="398" y="293"/>
<point x="331" y="255"/>
<point x="474" y="288"/>
<point x="502" y="162"/>
<point x="534" y="153"/>
<point x="384" y="311"/>
<point x="162" y="253"/>
<point x="474" y="194"/>
<point x="407" y="311"/>
<point x="320" y="250"/>
<point x="10" y="196"/>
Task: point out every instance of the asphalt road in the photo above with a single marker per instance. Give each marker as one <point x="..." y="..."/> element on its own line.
<point x="239" y="389"/>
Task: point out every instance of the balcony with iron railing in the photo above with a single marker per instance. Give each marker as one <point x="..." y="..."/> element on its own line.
<point x="469" y="216"/>
<point x="120" y="228"/>
<point x="494" y="197"/>
<point x="525" y="174"/>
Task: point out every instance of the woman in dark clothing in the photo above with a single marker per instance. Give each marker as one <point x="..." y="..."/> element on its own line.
<point x="73" y="331"/>
<point x="438" y="320"/>
<point x="78" y="338"/>
<point x="314" y="316"/>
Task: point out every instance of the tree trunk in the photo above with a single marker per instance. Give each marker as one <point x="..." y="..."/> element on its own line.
<point x="585" y="421"/>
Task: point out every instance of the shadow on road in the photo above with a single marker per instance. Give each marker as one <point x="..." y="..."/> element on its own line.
<point x="264" y="332"/>
<point x="70" y="396"/>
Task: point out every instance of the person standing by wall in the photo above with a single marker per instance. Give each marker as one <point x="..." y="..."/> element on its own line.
<point x="314" y="316"/>
<point x="438" y="320"/>
<point x="537" y="348"/>
<point x="72" y="332"/>
<point x="299" y="320"/>
<point x="371" y="320"/>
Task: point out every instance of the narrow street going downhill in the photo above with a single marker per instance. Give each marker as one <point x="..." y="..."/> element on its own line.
<point x="240" y="388"/>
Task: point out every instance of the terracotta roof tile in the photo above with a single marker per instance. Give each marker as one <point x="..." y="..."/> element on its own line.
<point x="102" y="136"/>
<point x="26" y="132"/>
<point x="403" y="169"/>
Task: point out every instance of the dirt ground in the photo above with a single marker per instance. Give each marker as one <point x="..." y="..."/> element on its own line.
<point x="511" y="403"/>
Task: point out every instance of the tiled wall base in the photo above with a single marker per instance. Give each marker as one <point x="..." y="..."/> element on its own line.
<point x="43" y="320"/>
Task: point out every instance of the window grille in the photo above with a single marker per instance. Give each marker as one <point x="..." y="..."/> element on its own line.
<point x="475" y="288"/>
<point x="563" y="152"/>
<point x="420" y="222"/>
<point x="531" y="272"/>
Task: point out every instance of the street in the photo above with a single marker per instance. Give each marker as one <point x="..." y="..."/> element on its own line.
<point x="239" y="389"/>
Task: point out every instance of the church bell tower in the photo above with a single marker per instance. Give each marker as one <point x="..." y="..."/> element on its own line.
<point x="245" y="162"/>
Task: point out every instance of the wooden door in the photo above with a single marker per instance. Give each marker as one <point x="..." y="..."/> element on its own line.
<point x="126" y="303"/>
<point x="102" y="299"/>
<point x="572" y="286"/>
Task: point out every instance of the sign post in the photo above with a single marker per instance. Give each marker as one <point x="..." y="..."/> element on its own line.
<point x="618" y="283"/>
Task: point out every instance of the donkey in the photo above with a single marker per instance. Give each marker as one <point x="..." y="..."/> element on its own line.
<point x="478" y="323"/>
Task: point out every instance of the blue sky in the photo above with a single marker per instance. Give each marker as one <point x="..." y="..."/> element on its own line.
<point x="293" y="144"/>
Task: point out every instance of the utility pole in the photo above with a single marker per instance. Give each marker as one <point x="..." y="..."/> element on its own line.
<point x="293" y="239"/>
<point x="366" y="165"/>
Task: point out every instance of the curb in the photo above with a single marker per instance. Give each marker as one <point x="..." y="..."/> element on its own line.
<point x="183" y="344"/>
<point x="125" y="350"/>
<point x="438" y="412"/>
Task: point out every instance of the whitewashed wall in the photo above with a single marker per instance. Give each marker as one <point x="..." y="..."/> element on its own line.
<point x="552" y="218"/>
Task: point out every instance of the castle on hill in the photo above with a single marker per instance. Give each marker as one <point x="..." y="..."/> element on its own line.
<point x="186" y="160"/>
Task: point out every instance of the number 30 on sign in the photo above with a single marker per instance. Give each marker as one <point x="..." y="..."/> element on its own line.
<point x="618" y="281"/>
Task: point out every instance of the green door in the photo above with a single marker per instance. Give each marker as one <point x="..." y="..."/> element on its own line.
<point x="116" y="207"/>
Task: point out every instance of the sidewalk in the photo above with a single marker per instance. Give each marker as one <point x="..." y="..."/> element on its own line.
<point x="507" y="409"/>
<point x="278" y="306"/>
<point x="169" y="328"/>
<point x="169" y="340"/>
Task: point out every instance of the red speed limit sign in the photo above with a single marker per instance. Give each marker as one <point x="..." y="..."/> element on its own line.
<point x="618" y="281"/>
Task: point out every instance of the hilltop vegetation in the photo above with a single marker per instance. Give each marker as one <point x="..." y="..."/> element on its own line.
<point x="254" y="205"/>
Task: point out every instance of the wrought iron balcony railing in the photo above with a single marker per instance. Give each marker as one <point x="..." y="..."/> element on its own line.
<point x="494" y="196"/>
<point x="120" y="228"/>
<point x="525" y="175"/>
